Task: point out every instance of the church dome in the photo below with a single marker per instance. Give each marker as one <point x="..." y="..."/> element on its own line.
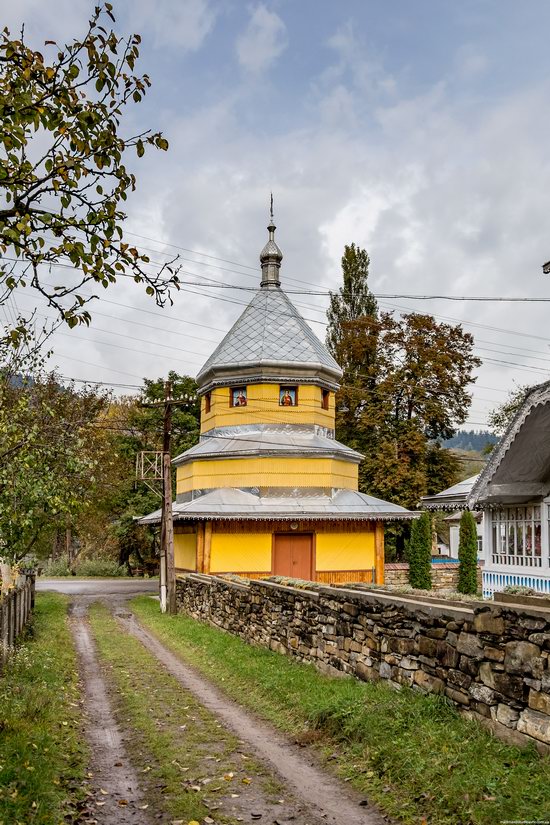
<point x="270" y="340"/>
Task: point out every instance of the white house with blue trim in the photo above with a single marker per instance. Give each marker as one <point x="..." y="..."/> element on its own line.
<point x="453" y="501"/>
<point x="513" y="492"/>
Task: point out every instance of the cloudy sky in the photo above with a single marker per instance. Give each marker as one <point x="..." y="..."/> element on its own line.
<point x="417" y="130"/>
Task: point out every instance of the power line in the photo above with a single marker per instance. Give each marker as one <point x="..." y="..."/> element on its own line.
<point x="496" y="362"/>
<point x="129" y="349"/>
<point x="479" y="349"/>
<point x="529" y="368"/>
<point x="478" y="325"/>
<point x="379" y="296"/>
<point x="382" y="296"/>
<point x="100" y="383"/>
<point x="193" y="251"/>
<point x="521" y="367"/>
<point x="97" y="366"/>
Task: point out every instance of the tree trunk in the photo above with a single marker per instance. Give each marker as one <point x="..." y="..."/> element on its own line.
<point x="69" y="545"/>
<point x="55" y="544"/>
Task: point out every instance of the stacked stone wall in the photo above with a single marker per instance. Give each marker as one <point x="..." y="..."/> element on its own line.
<point x="444" y="575"/>
<point x="491" y="662"/>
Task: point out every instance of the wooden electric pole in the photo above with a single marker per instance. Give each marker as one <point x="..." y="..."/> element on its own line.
<point x="167" y="524"/>
<point x="153" y="467"/>
<point x="157" y="466"/>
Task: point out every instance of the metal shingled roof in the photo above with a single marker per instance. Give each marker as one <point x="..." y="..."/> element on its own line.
<point x="267" y="443"/>
<point x="270" y="331"/>
<point x="233" y="503"/>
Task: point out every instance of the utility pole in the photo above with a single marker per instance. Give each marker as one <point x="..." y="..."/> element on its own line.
<point x="157" y="466"/>
<point x="168" y="598"/>
<point x="151" y="468"/>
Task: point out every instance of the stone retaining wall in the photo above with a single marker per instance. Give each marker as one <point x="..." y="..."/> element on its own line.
<point x="491" y="662"/>
<point x="444" y="575"/>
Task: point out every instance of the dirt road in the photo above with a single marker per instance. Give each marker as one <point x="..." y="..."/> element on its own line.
<point x="115" y="793"/>
<point x="73" y="586"/>
<point x="312" y="796"/>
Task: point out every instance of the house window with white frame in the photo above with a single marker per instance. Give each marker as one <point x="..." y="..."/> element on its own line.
<point x="516" y="536"/>
<point x="480" y="547"/>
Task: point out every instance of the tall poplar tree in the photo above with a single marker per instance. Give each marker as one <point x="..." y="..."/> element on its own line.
<point x="352" y="339"/>
<point x="404" y="389"/>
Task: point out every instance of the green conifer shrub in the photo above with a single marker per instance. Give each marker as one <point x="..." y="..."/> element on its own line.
<point x="467" y="554"/>
<point x="420" y="553"/>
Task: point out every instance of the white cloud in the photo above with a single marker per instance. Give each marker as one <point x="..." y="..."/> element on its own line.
<point x="184" y="24"/>
<point x="69" y="21"/>
<point x="448" y="196"/>
<point x="470" y="62"/>
<point x="357" y="64"/>
<point x="263" y="41"/>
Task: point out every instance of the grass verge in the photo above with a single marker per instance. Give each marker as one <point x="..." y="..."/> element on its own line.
<point x="189" y="765"/>
<point x="411" y="754"/>
<point x="42" y="758"/>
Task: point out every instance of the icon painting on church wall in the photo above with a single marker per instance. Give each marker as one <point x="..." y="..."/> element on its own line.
<point x="238" y="396"/>
<point x="287" y="397"/>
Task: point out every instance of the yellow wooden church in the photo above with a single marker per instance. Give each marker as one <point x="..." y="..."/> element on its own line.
<point x="268" y="490"/>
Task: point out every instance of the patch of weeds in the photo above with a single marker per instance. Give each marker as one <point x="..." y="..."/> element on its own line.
<point x="411" y="754"/>
<point x="520" y="590"/>
<point x="188" y="764"/>
<point x="42" y="758"/>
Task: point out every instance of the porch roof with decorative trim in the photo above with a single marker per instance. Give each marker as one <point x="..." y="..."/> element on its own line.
<point x="230" y="503"/>
<point x="518" y="469"/>
<point x="452" y="499"/>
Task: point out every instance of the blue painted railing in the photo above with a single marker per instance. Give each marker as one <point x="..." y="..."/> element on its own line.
<point x="495" y="582"/>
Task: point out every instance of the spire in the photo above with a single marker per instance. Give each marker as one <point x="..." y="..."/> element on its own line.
<point x="271" y="256"/>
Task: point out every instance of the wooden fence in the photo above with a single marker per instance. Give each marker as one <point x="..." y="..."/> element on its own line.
<point x="15" y="610"/>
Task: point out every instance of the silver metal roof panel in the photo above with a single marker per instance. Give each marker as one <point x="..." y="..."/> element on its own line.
<point x="269" y="336"/>
<point x="270" y="442"/>
<point x="234" y="504"/>
<point x="452" y="498"/>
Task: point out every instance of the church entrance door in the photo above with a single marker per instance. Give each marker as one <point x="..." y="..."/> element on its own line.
<point x="293" y="555"/>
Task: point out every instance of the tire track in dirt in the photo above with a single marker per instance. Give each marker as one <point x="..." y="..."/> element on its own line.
<point x="116" y="795"/>
<point x="327" y="798"/>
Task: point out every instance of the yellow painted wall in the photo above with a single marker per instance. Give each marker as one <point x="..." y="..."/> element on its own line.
<point x="240" y="553"/>
<point x="185" y="550"/>
<point x="267" y="472"/>
<point x="263" y="408"/>
<point x="345" y="551"/>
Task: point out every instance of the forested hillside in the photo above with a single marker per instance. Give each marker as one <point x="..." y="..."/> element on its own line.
<point x="476" y="440"/>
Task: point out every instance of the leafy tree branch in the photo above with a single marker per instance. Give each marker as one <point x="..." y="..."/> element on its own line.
<point x="63" y="168"/>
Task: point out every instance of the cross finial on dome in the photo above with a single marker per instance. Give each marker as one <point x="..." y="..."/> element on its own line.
<point x="271" y="256"/>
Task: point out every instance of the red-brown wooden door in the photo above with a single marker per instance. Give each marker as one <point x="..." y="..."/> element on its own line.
<point x="293" y="555"/>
